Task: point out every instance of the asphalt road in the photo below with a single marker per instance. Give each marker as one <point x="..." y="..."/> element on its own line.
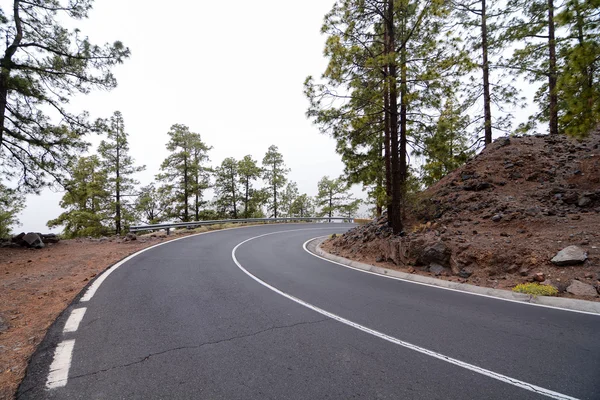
<point x="184" y="321"/>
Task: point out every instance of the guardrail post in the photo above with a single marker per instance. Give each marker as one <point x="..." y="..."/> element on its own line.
<point x="168" y="231"/>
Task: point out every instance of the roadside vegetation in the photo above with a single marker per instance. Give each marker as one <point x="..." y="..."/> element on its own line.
<point x="535" y="289"/>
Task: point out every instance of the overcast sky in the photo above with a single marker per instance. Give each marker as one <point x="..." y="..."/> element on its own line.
<point x="232" y="71"/>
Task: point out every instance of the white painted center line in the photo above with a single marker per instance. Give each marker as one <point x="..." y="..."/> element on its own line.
<point x="74" y="320"/>
<point x="59" y="369"/>
<point x="494" y="375"/>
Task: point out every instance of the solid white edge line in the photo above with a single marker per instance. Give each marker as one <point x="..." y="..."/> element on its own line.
<point x="506" y="379"/>
<point x="74" y="320"/>
<point x="440" y="287"/>
<point x="59" y="369"/>
<point x="91" y="290"/>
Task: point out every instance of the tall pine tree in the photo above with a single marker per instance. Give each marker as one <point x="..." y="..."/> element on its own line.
<point x="183" y="172"/>
<point x="120" y="167"/>
<point x="274" y="175"/>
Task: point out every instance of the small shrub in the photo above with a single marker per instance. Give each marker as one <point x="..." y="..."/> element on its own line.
<point x="362" y="221"/>
<point x="536" y="289"/>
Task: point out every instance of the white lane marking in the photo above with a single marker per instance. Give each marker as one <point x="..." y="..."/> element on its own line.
<point x="59" y="369"/>
<point x="96" y="284"/>
<point x="441" y="287"/>
<point x="462" y="364"/>
<point x="74" y="319"/>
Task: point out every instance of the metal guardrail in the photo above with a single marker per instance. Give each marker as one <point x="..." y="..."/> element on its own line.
<point x="194" y="224"/>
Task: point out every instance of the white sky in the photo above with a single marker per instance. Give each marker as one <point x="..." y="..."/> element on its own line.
<point x="232" y="71"/>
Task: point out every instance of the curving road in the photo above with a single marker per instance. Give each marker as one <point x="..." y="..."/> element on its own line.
<point x="249" y="314"/>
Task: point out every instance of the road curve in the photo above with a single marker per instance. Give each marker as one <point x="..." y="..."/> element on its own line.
<point x="195" y="319"/>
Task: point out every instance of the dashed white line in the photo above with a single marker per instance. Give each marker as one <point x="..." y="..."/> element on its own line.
<point x="494" y="375"/>
<point x="59" y="369"/>
<point x="74" y="319"/>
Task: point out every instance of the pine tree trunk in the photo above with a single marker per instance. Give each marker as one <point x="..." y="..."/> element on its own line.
<point x="5" y="67"/>
<point x="233" y="196"/>
<point x="197" y="203"/>
<point x="186" y="194"/>
<point x="487" y="109"/>
<point x="274" y="193"/>
<point x="552" y="73"/>
<point x="118" y="189"/>
<point x="396" y="148"/>
<point x="330" y="204"/>
<point x="386" y="139"/>
<point x="246" y="199"/>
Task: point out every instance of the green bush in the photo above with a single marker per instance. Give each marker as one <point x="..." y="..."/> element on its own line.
<point x="536" y="289"/>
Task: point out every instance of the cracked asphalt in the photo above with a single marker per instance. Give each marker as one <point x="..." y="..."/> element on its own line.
<point x="182" y="321"/>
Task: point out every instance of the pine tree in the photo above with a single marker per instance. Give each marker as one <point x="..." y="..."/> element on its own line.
<point x="534" y="31"/>
<point x="200" y="173"/>
<point x="303" y="206"/>
<point x="446" y="147"/>
<point x="87" y="200"/>
<point x="490" y="93"/>
<point x="578" y="84"/>
<point x="183" y="172"/>
<point x="249" y="171"/>
<point x="227" y="187"/>
<point x="387" y="62"/>
<point x="43" y="65"/>
<point x="288" y="196"/>
<point x="350" y="209"/>
<point x="11" y="204"/>
<point x="120" y="166"/>
<point x="274" y="175"/>
<point x="151" y="205"/>
<point x="350" y="101"/>
<point x="333" y="196"/>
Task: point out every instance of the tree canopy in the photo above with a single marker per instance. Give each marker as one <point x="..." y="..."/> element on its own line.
<point x="42" y="67"/>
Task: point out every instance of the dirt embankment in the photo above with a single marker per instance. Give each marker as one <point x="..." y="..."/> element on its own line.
<point x="499" y="220"/>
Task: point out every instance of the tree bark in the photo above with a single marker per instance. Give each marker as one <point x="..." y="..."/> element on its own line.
<point x="386" y="139"/>
<point x="5" y="65"/>
<point x="330" y="203"/>
<point x="487" y="108"/>
<point x="552" y="73"/>
<point x="186" y="216"/>
<point x="246" y="198"/>
<point x="118" y="186"/>
<point x="398" y="169"/>
<point x="233" y="195"/>
<point x="274" y="192"/>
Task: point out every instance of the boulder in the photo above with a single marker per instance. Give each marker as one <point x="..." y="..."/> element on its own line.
<point x="572" y="255"/>
<point x="436" y="269"/>
<point x="19" y="239"/>
<point x="581" y="289"/>
<point x="7" y="243"/>
<point x="584" y="201"/>
<point x="437" y="253"/>
<point x="130" y="236"/>
<point x="33" y="240"/>
<point x="50" y="238"/>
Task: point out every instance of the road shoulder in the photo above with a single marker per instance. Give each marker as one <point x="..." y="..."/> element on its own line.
<point x="314" y="247"/>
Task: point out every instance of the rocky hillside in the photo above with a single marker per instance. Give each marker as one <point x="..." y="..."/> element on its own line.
<point x="500" y="219"/>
